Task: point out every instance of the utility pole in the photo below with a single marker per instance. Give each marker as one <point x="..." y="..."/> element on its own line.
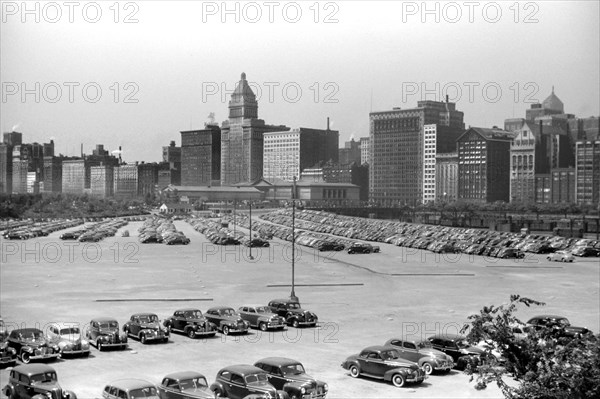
<point x="250" y="209"/>
<point x="293" y="296"/>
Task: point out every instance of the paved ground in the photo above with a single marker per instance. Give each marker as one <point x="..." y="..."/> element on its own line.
<point x="399" y="291"/>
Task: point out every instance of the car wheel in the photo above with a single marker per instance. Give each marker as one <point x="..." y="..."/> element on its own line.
<point x="143" y="338"/>
<point x="191" y="333"/>
<point x="564" y="260"/>
<point x="99" y="345"/>
<point x="263" y="326"/>
<point x="428" y="368"/>
<point x="218" y="393"/>
<point x="398" y="380"/>
<point x="354" y="371"/>
<point x="225" y="330"/>
<point x="549" y="258"/>
<point x="295" y="323"/>
<point x="25" y="358"/>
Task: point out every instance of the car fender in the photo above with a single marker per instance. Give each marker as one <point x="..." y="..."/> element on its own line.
<point x="218" y="387"/>
<point x="282" y="394"/>
<point x="348" y="363"/>
<point x="8" y="390"/>
<point x="293" y="387"/>
<point x="390" y="373"/>
<point x="428" y="359"/>
<point x="27" y="349"/>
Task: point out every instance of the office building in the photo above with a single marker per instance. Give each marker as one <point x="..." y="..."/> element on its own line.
<point x="587" y="172"/>
<point x="200" y="156"/>
<point x="125" y="179"/>
<point x="350" y="153"/>
<point x="365" y="145"/>
<point x="102" y="181"/>
<point x="446" y="177"/>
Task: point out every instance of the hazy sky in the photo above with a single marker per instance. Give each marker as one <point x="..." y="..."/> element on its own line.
<point x="175" y="62"/>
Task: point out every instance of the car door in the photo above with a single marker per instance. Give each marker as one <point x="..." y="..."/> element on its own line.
<point x="23" y="388"/>
<point x="237" y="387"/>
<point x="252" y="316"/>
<point x="371" y="362"/>
<point x="410" y="352"/>
<point x="134" y="325"/>
<point x="176" y="321"/>
<point x="170" y="389"/>
<point x="274" y="375"/>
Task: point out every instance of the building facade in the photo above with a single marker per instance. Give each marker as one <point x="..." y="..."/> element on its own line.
<point x="147" y="179"/>
<point x="587" y="172"/>
<point x="242" y="138"/>
<point x="365" y="146"/>
<point x="350" y="153"/>
<point x="52" y="180"/>
<point x="73" y="176"/>
<point x="201" y="156"/>
<point x="484" y="164"/>
<point x="446" y="177"/>
<point x="125" y="179"/>
<point x="102" y="181"/>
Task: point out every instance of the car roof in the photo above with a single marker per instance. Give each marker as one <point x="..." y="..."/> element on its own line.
<point x="62" y="325"/>
<point x="27" y="330"/>
<point x="378" y="348"/>
<point x="448" y="337"/>
<point x="104" y="319"/>
<point x="284" y="300"/>
<point x="414" y="341"/>
<point x="34" y="368"/>
<point x="278" y="361"/>
<point x="243" y="369"/>
<point x="128" y="384"/>
<point x="143" y="314"/>
<point x="187" y="310"/>
<point x="220" y="307"/>
<point x="184" y="375"/>
<point x="254" y="306"/>
<point x="547" y="316"/>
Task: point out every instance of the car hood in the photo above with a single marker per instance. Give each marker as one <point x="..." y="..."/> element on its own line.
<point x="302" y="379"/>
<point x="297" y="311"/>
<point x="202" y="392"/>
<point x="151" y="326"/>
<point x="197" y="321"/>
<point x="472" y="350"/>
<point x="261" y="386"/>
<point x="39" y="342"/>
<point x="401" y="363"/>
<point x="46" y="386"/>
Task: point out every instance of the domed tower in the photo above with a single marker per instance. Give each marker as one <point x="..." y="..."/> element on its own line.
<point x="552" y="102"/>
<point x="243" y="103"/>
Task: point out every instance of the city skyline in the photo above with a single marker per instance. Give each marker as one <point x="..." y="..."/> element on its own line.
<point x="376" y="57"/>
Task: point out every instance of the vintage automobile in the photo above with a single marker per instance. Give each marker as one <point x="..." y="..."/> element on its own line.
<point x="293" y="313"/>
<point x="458" y="348"/>
<point x="261" y="317"/>
<point x="130" y="388"/>
<point x="384" y="362"/>
<point x="8" y="355"/>
<point x="190" y="322"/>
<point x="103" y="332"/>
<point x="184" y="385"/>
<point x="561" y="256"/>
<point x="422" y="353"/>
<point x="360" y="248"/>
<point x="227" y="320"/>
<point x="35" y="380"/>
<point x="242" y="380"/>
<point x="69" y="340"/>
<point x="558" y="322"/>
<point x="146" y="327"/>
<point x="586" y="251"/>
<point x="256" y="242"/>
<point x="289" y="375"/>
<point x="31" y="344"/>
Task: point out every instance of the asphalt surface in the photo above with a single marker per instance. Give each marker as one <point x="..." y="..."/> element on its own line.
<point x="361" y="300"/>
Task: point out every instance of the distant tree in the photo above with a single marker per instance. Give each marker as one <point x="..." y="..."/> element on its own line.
<point x="546" y="362"/>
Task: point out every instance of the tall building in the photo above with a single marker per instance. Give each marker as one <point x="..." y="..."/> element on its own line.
<point x="52" y="180"/>
<point x="550" y="106"/>
<point x="446" y="177"/>
<point x="587" y="172"/>
<point x="147" y="179"/>
<point x="287" y="153"/>
<point x="331" y="172"/>
<point x="484" y="164"/>
<point x="397" y="140"/>
<point x="242" y="138"/>
<point x="350" y="153"/>
<point x="73" y="176"/>
<point x="102" y="180"/>
<point x="125" y="179"/>
<point x="172" y="156"/>
<point x="563" y="185"/>
<point x="365" y="146"/>
<point x="27" y="158"/>
<point x="201" y="156"/>
<point x="9" y="140"/>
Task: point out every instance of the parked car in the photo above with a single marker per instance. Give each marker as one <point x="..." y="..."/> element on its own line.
<point x="586" y="251"/>
<point x="190" y="322"/>
<point x="227" y="320"/>
<point x="261" y="317"/>
<point x="293" y="313"/>
<point x="31" y="344"/>
<point x="103" y="332"/>
<point x="360" y="248"/>
<point x="69" y="340"/>
<point x="35" y="380"/>
<point x="289" y="375"/>
<point x="242" y="380"/>
<point x="256" y="242"/>
<point x="540" y="321"/>
<point x="561" y="256"/>
<point x="422" y="353"/>
<point x="384" y="363"/>
<point x="146" y="327"/>
<point x="130" y="388"/>
<point x="8" y="355"/>
<point x="507" y="253"/>
<point x="457" y="347"/>
<point x="184" y="385"/>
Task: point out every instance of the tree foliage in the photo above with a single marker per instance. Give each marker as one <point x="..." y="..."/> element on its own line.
<point x="545" y="362"/>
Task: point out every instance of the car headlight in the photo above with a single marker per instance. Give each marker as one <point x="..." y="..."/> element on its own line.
<point x="302" y="390"/>
<point x="325" y="387"/>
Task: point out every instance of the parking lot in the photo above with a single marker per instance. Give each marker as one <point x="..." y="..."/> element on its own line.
<point x="361" y="300"/>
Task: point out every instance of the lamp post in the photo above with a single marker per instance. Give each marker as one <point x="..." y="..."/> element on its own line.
<point x="250" y="211"/>
<point x="234" y="204"/>
<point x="293" y="293"/>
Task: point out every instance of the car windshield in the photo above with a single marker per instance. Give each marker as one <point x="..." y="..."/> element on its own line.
<point x="69" y="331"/>
<point x="32" y="336"/>
<point x="193" y="314"/>
<point x="293" y="305"/>
<point x="148" y="392"/>
<point x="292" y="369"/>
<point x="149" y="318"/>
<point x="389" y="355"/>
<point x="43" y="377"/>
<point x="109" y="325"/>
<point x="193" y="383"/>
<point x="461" y="343"/>
<point x="262" y="309"/>
<point x="424" y="344"/>
<point x="256" y="378"/>
<point x="227" y="312"/>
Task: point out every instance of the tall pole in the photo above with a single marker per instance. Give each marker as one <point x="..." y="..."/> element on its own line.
<point x="234" y="204"/>
<point x="250" y="208"/>
<point x="293" y="293"/>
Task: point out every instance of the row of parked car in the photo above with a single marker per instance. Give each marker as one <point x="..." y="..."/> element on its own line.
<point x="216" y="231"/>
<point x="96" y="231"/>
<point x="429" y="237"/>
<point x="24" y="231"/>
<point x="161" y="230"/>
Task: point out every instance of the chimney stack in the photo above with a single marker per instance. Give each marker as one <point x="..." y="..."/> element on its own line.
<point x="327" y="123"/>
<point x="446" y="99"/>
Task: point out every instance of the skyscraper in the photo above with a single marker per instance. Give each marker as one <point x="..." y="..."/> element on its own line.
<point x="587" y="172"/>
<point x="242" y="138"/>
<point x="201" y="156"/>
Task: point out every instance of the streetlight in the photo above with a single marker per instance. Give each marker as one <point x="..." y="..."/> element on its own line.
<point x="250" y="209"/>
<point x="293" y="296"/>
